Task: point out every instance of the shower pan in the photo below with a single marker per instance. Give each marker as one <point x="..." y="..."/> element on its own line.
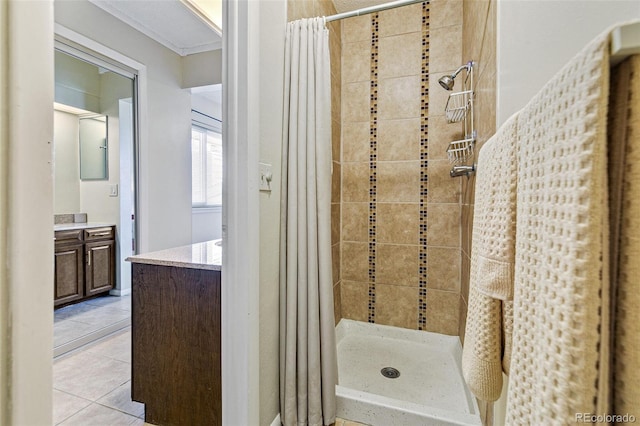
<point x="393" y="376"/>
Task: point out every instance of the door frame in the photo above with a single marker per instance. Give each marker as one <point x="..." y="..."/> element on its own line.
<point x="139" y="123"/>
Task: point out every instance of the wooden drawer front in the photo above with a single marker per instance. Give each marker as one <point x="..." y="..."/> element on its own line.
<point x="99" y="234"/>
<point x="73" y="235"/>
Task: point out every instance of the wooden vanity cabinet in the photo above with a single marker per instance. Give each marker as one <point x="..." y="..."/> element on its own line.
<point x="84" y="263"/>
<point x="69" y="267"/>
<point x="100" y="252"/>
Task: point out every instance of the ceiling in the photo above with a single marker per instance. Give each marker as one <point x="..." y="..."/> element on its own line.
<point x="181" y="26"/>
<point x="173" y="23"/>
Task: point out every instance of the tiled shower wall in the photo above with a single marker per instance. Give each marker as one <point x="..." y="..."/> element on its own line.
<point x="479" y="43"/>
<point x="400" y="210"/>
<point x="298" y="9"/>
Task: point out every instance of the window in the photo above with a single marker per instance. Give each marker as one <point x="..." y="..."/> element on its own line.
<point x="206" y="166"/>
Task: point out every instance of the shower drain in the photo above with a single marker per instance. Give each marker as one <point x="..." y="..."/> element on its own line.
<point x="390" y="373"/>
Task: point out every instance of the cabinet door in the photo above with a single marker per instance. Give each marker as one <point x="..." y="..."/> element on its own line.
<point x="69" y="273"/>
<point x="100" y="267"/>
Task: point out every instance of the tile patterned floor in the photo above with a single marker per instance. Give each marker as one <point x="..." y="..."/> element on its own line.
<point x="92" y="386"/>
<point x="81" y="319"/>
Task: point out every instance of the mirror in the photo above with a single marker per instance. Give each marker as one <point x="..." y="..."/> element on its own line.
<point x="94" y="148"/>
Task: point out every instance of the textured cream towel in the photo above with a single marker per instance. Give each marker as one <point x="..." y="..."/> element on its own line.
<point x="560" y="323"/>
<point x="624" y="172"/>
<point x="492" y="263"/>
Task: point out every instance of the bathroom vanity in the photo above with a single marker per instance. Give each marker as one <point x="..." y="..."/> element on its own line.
<point x="176" y="340"/>
<point x="85" y="263"/>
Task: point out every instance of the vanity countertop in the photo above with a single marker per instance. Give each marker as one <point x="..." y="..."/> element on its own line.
<point x="80" y="225"/>
<point x="206" y="255"/>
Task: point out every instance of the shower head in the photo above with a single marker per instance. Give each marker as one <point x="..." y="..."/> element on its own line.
<point x="447" y="81"/>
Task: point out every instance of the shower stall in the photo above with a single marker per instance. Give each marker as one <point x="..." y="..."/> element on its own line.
<point x="402" y="201"/>
<point x="399" y="272"/>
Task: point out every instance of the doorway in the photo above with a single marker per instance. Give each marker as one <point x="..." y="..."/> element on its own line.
<point x="99" y="188"/>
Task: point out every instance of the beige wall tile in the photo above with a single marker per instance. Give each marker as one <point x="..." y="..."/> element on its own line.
<point x="401" y="20"/>
<point x="335" y="28"/>
<point x="397" y="306"/>
<point x="336" y="132"/>
<point x="354" y="300"/>
<point x="443" y="268"/>
<point x="355" y="182"/>
<point x="489" y="46"/>
<point x="337" y="310"/>
<point x="399" y="98"/>
<point x="335" y="261"/>
<point x="462" y="319"/>
<point x="355" y="102"/>
<point x="464" y="280"/>
<point x="442" y="187"/>
<point x="335" y="223"/>
<point x="398" y="181"/>
<point x="399" y="139"/>
<point x="355" y="262"/>
<point x="336" y="98"/>
<point x="355" y="141"/>
<point x="441" y="133"/>
<point x="356" y="29"/>
<point x="485" y="107"/>
<point x="466" y="222"/>
<point x="356" y="61"/>
<point x="468" y="187"/>
<point x="400" y="55"/>
<point x="474" y="13"/>
<point x="304" y="9"/>
<point x="445" y="49"/>
<point x="292" y="10"/>
<point x="443" y="225"/>
<point x="443" y="13"/>
<point x="336" y="175"/>
<point x="397" y="264"/>
<point x="355" y="222"/>
<point x="325" y="8"/>
<point x="397" y="223"/>
<point x="442" y="312"/>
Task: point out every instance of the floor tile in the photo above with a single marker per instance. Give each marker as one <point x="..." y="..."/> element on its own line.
<point x="67" y="330"/>
<point x="120" y="399"/>
<point x="66" y="405"/>
<point x="123" y="302"/>
<point x="116" y="347"/>
<point x="71" y="311"/>
<point x="102" y="315"/>
<point x="89" y="376"/>
<point x="98" y="415"/>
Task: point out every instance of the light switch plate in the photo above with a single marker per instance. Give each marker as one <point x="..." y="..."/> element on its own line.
<point x="266" y="176"/>
<point x="113" y="190"/>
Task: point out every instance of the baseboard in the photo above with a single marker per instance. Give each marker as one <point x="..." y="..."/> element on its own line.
<point x="276" y="421"/>
<point x="120" y="292"/>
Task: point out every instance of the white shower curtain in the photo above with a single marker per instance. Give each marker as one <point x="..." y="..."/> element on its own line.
<point x="308" y="360"/>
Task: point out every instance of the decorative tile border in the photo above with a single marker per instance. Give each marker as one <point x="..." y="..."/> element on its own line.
<point x="373" y="159"/>
<point x="424" y="177"/>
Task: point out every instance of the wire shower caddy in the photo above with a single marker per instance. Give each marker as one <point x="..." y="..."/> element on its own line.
<point x="460" y="109"/>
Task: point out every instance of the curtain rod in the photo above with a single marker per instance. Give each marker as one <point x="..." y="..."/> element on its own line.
<point x="372" y="9"/>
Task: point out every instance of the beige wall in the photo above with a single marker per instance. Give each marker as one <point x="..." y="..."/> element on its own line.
<point x="66" y="163"/>
<point x="400" y="227"/>
<point x="298" y="9"/>
<point x="479" y="45"/>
